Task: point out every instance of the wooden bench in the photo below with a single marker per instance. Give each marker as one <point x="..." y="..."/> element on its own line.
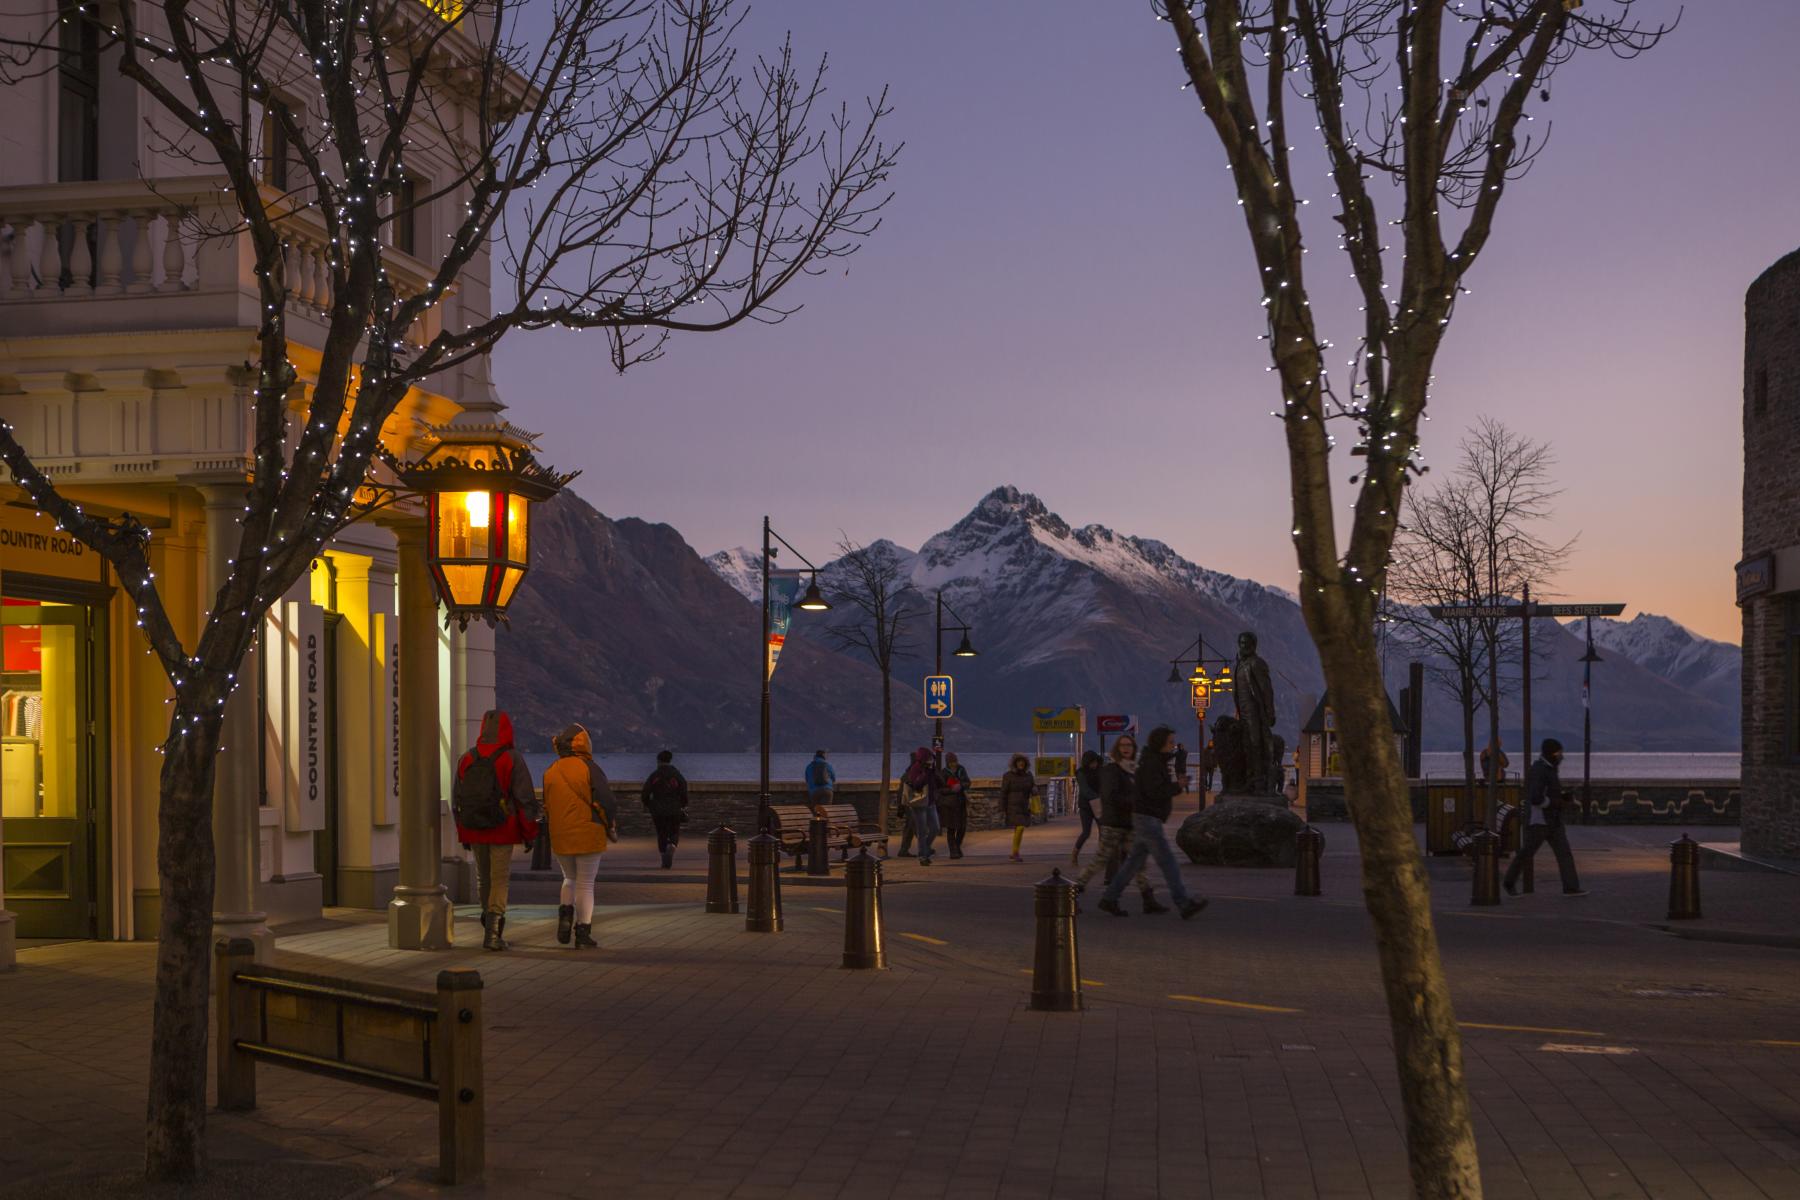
<point x="847" y="826"/>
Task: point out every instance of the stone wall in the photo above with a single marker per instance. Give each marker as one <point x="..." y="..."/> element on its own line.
<point x="713" y="804"/>
<point x="1615" y="801"/>
<point x="1771" y="414"/>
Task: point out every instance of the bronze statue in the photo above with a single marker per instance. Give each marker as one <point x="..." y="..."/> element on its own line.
<point x="1254" y="695"/>
<point x="1228" y="749"/>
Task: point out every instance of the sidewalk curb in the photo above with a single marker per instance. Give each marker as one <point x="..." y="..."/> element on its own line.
<point x="1739" y="937"/>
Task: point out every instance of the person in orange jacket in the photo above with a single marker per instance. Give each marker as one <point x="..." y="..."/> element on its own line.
<point x="583" y="818"/>
<point x="495" y="808"/>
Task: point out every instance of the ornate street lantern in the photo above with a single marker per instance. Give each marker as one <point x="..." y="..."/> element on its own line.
<point x="479" y="482"/>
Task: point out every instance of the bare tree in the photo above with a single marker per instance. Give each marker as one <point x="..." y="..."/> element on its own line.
<point x="1473" y="539"/>
<point x="634" y="178"/>
<point x="873" y="581"/>
<point x="1426" y="103"/>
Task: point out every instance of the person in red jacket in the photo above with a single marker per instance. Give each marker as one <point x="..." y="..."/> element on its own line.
<point x="492" y="824"/>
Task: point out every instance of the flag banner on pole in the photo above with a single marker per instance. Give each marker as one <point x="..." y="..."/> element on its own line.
<point x="782" y="594"/>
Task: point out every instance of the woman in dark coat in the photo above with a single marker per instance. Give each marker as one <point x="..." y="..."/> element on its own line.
<point x="1016" y="789"/>
<point x="953" y="804"/>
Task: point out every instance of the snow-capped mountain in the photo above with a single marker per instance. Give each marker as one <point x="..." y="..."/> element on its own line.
<point x="1067" y="615"/>
<point x="741" y="567"/>
<point x="1673" y="651"/>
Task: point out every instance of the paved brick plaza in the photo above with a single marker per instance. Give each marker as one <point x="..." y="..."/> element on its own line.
<point x="688" y="1058"/>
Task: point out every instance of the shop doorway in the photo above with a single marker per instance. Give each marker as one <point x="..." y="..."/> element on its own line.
<point x="51" y="770"/>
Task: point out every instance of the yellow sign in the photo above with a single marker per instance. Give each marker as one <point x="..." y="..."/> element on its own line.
<point x="32" y="544"/>
<point x="1200" y="693"/>
<point x="1053" y="766"/>
<point x="1057" y="720"/>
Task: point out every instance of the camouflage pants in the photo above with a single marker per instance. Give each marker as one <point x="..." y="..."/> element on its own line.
<point x="1115" y="844"/>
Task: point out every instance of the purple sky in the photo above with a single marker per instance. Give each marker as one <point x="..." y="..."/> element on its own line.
<point x="1062" y="298"/>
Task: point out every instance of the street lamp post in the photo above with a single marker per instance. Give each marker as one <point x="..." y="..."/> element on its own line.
<point x="1201" y="685"/>
<point x="965" y="650"/>
<point x="812" y="601"/>
<point x="1587" y="722"/>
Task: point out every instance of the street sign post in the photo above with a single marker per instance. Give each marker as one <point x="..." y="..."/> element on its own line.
<point x="940" y="697"/>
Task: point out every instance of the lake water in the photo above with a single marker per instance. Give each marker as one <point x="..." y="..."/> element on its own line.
<point x="742" y="768"/>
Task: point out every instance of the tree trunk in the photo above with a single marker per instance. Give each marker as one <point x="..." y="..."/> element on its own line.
<point x="887" y="743"/>
<point x="1427" y="1044"/>
<point x="175" y="1126"/>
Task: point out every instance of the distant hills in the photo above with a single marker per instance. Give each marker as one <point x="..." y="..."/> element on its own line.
<point x="623" y="626"/>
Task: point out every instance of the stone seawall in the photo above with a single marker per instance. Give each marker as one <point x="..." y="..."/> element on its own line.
<point x="713" y="804"/>
<point x="1615" y="801"/>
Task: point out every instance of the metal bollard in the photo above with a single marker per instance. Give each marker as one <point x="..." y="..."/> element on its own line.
<point x="818" y="847"/>
<point x="864" y="948"/>
<point x="764" y="912"/>
<point x="1485" y="850"/>
<point x="1684" y="879"/>
<point x="1056" y="971"/>
<point x="721" y="871"/>
<point x="1309" y="845"/>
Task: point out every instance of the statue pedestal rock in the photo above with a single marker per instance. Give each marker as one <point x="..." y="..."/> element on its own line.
<point x="1241" y="831"/>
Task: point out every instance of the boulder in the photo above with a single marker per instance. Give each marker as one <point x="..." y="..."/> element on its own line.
<point x="1240" y="833"/>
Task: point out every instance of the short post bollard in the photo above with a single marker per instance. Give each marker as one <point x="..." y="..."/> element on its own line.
<point x="864" y="948"/>
<point x="1684" y="879"/>
<point x="1309" y="845"/>
<point x="764" y="912"/>
<point x="818" y="847"/>
<point x="1485" y="850"/>
<point x="1056" y="970"/>
<point x="721" y="871"/>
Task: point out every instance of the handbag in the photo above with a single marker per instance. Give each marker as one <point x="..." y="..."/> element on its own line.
<point x="1037" y="805"/>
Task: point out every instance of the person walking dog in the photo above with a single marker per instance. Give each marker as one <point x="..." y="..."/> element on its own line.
<point x="495" y="808"/>
<point x="1544" y="802"/>
<point x="1152" y="801"/>
<point x="583" y="818"/>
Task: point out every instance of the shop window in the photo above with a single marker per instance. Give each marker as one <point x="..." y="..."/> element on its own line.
<point x="409" y="218"/>
<point x="77" y="98"/>
<point x="39" y="730"/>
<point x="276" y="148"/>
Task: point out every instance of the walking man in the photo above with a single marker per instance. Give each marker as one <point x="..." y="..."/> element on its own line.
<point x="1544" y="802"/>
<point x="1151" y="805"/>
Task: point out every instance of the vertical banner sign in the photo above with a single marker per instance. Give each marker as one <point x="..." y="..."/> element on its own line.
<point x="303" y="666"/>
<point x="782" y="594"/>
<point x="383" y="774"/>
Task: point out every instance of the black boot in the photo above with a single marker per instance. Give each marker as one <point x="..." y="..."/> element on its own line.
<point x="565" y="921"/>
<point x="1150" y="904"/>
<point x="1112" y="906"/>
<point x="668" y="857"/>
<point x="584" y="937"/>
<point x="490" y="937"/>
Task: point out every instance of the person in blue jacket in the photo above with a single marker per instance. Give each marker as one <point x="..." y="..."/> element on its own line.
<point x="821" y="779"/>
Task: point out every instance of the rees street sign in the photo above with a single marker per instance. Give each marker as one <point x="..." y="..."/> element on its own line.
<point x="940" y="697"/>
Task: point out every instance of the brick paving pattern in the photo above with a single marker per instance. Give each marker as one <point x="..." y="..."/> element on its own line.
<point x="688" y="1058"/>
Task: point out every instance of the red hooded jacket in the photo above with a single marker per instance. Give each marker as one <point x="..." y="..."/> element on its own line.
<point x="515" y="784"/>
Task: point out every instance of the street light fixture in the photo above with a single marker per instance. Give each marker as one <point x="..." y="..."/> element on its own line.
<point x="1201" y="686"/>
<point x="479" y="482"/>
<point x="965" y="649"/>
<point x="811" y="601"/>
<point x="1587" y="721"/>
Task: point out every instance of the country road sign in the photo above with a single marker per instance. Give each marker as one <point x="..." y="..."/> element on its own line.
<point x="940" y="697"/>
<point x="1116" y="723"/>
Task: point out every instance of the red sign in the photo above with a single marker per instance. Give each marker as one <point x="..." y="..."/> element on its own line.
<point x="1115" y="723"/>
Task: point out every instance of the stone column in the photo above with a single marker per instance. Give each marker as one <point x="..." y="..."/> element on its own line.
<point x="237" y="836"/>
<point x="419" y="916"/>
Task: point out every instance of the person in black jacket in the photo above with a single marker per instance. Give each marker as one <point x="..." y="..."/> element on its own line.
<point x="1152" y="801"/>
<point x="1117" y="783"/>
<point x="1544" y="804"/>
<point x="666" y="796"/>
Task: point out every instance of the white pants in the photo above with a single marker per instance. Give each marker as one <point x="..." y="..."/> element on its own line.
<point x="578" y="883"/>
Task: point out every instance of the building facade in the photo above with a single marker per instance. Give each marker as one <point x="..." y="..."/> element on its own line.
<point x="127" y="326"/>
<point x="1769" y="576"/>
